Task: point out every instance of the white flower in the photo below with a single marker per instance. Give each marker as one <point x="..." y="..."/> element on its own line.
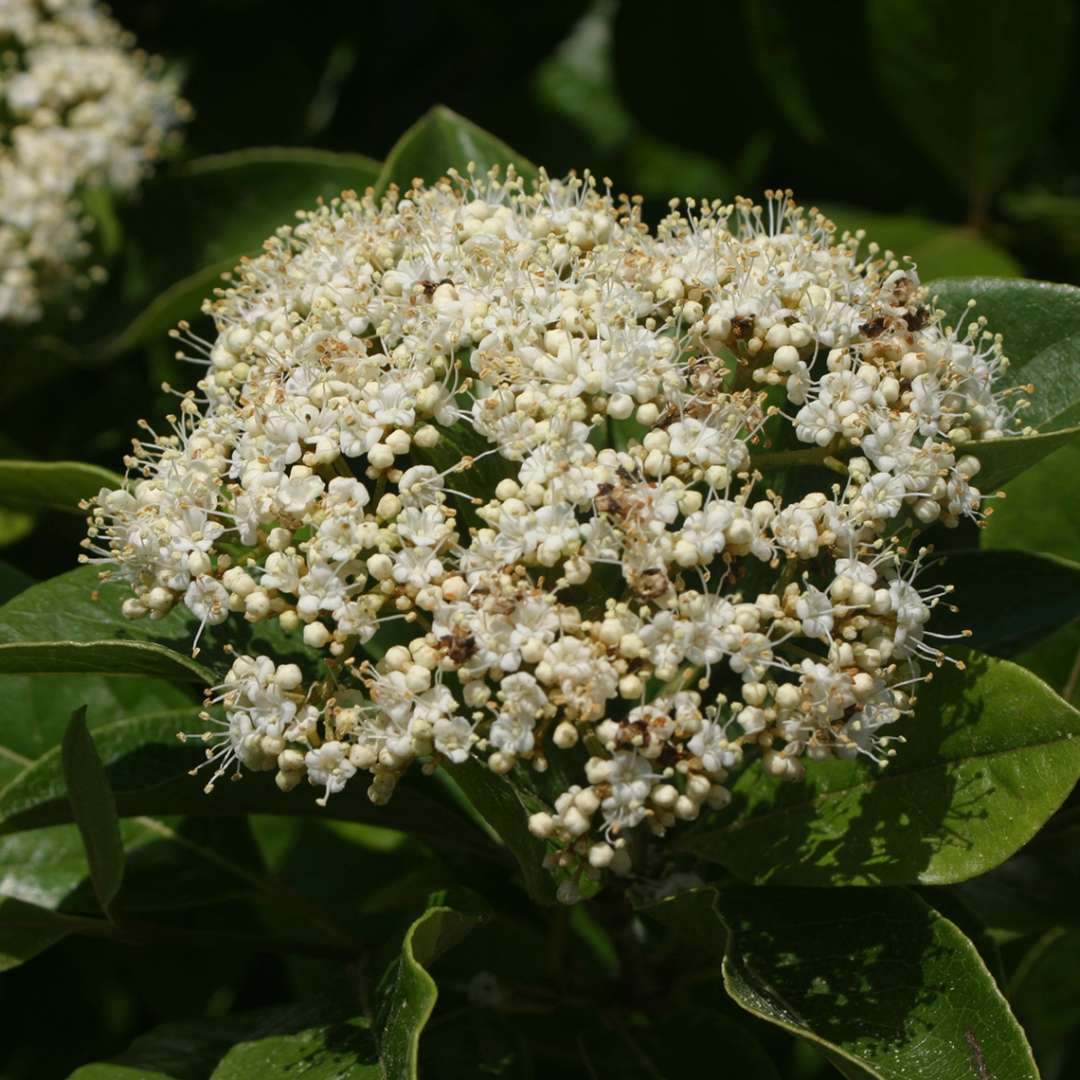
<point x="82" y="108"/>
<point x="478" y="452"/>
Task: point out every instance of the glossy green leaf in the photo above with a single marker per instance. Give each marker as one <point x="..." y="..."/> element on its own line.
<point x="1039" y="511"/>
<point x="991" y="753"/>
<point x="25" y="931"/>
<point x="1032" y="596"/>
<point x="441" y="140"/>
<point x="78" y="607"/>
<point x="932" y="63"/>
<point x="409" y="992"/>
<point x="37" y="709"/>
<point x="191" y="1049"/>
<point x="51" y="485"/>
<point x="874" y="976"/>
<point x="93" y="807"/>
<point x="100" y="657"/>
<point x="1004" y="459"/>
<point x="345" y="1049"/>
<point x="1040" y="322"/>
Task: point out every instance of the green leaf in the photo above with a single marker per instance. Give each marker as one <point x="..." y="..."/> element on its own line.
<point x="78" y="607"/>
<point x="100" y="657"/>
<point x="1057" y="661"/>
<point x="1045" y="992"/>
<point x="1040" y="322"/>
<point x="935" y="66"/>
<point x="991" y="753"/>
<point x="202" y="216"/>
<point x="14" y="525"/>
<point x="499" y="805"/>
<point x="148" y="771"/>
<point x="410" y="992"/>
<point x="874" y="976"/>
<point x="1003" y="459"/>
<point x="180" y="300"/>
<point x="190" y="1049"/>
<point x="37" y="709"/>
<point x="1037" y="513"/>
<point x="12" y="581"/>
<point x="51" y="485"/>
<point x="1037" y="516"/>
<point x="319" y="1039"/>
<point x="167" y="866"/>
<point x="1033" y="595"/>
<point x="1035" y="889"/>
<point x="345" y="1049"/>
<point x="25" y="931"/>
<point x="938" y="249"/>
<point x="94" y="809"/>
<point x="441" y="140"/>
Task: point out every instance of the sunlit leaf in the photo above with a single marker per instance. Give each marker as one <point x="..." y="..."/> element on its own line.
<point x="960" y="796"/>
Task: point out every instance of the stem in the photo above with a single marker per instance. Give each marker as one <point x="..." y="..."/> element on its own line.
<point x="783" y="458"/>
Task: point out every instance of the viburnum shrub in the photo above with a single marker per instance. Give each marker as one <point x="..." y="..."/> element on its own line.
<point x="628" y="590"/>
<point x="498" y="453"/>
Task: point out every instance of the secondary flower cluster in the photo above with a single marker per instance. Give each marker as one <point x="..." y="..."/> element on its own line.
<point x="492" y="454"/>
<point x="80" y="108"/>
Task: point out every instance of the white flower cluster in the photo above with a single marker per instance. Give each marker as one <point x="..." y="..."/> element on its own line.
<point x="79" y="107"/>
<point x="491" y="454"/>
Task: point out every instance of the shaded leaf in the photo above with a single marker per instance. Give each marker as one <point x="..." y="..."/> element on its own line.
<point x="991" y="753"/>
<point x="94" y="810"/>
<point x="321" y="1038"/>
<point x="148" y="771"/>
<point x="51" y="485"/>
<point x="440" y="140"/>
<point x="1032" y="596"/>
<point x="1045" y="992"/>
<point x="37" y="709"/>
<point x="100" y="658"/>
<point x="499" y="805"/>
<point x="1037" y="513"/>
<point x="25" y="931"/>
<point x="14" y="525"/>
<point x="973" y="124"/>
<point x="1035" y="889"/>
<point x="79" y="607"/>
<point x="874" y="976"/>
<point x="12" y="581"/>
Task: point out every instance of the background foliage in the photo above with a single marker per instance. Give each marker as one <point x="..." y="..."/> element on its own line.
<point x="167" y="935"/>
